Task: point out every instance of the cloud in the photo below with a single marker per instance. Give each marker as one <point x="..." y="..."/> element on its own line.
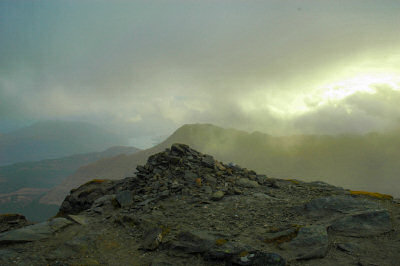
<point x="144" y="67"/>
<point x="357" y="113"/>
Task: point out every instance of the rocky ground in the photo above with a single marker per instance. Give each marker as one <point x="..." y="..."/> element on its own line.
<point x="185" y="208"/>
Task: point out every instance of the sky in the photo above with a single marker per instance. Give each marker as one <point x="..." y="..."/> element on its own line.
<point x="147" y="67"/>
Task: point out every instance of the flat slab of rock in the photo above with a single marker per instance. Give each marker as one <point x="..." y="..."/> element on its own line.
<point x="348" y="247"/>
<point x="342" y="204"/>
<point x="280" y="235"/>
<point x="363" y="224"/>
<point x="220" y="249"/>
<point x="311" y="242"/>
<point x="34" y="232"/>
<point x="79" y="219"/>
<point x="58" y="224"/>
<point x="194" y="242"/>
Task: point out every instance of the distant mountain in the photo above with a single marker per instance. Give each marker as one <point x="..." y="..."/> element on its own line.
<point x="49" y="173"/>
<point x="54" y="139"/>
<point x="368" y="162"/>
<point x="22" y="183"/>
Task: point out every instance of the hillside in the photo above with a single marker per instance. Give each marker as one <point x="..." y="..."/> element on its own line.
<point x="367" y="162"/>
<point x="49" y="173"/>
<point x="109" y="168"/>
<point x="185" y="208"/>
<point x="22" y="183"/>
<point x="54" y="139"/>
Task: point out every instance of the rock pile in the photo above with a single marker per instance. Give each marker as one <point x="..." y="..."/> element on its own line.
<point x="176" y="171"/>
<point x="184" y="207"/>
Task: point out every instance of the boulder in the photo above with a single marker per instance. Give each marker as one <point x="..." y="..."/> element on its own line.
<point x="310" y="242"/>
<point x="12" y="221"/>
<point x="124" y="198"/>
<point x="152" y="238"/>
<point x="82" y="198"/>
<point x="245" y="182"/>
<point x="218" y="195"/>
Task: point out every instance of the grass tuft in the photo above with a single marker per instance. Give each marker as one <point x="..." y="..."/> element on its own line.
<point x="95" y="181"/>
<point x="294" y="181"/>
<point x="372" y="194"/>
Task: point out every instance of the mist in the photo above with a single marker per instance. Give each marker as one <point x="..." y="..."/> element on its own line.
<point x="145" y="68"/>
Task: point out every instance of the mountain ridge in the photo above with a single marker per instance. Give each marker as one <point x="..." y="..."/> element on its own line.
<point x="365" y="162"/>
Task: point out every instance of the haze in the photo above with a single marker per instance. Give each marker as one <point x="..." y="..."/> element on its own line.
<point x="147" y="67"/>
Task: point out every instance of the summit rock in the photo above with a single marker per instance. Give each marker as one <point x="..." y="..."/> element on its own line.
<point x="183" y="207"/>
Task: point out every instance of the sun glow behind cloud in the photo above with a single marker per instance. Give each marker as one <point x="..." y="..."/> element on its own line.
<point x="360" y="83"/>
<point x="335" y="92"/>
<point x="333" y="95"/>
